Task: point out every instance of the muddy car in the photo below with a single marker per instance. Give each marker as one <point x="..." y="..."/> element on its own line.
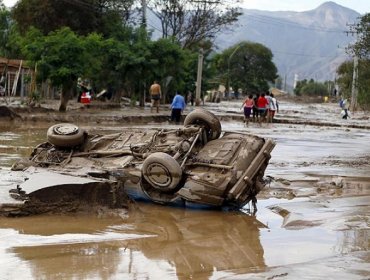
<point x="194" y="165"/>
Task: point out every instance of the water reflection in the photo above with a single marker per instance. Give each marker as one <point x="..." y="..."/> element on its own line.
<point x="151" y="240"/>
<point x="198" y="243"/>
<point x="17" y="141"/>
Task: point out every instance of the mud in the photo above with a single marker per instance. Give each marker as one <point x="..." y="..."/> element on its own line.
<point x="312" y="220"/>
<point x="8" y="113"/>
<point x="106" y="113"/>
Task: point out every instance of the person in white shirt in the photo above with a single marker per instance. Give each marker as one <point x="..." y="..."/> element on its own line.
<point x="273" y="107"/>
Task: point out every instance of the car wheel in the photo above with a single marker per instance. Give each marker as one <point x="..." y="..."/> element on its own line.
<point x="162" y="172"/>
<point x="65" y="135"/>
<point x="206" y="119"/>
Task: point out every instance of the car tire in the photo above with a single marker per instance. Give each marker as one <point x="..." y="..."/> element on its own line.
<point x="65" y="135"/>
<point x="162" y="172"/>
<point x="206" y="119"/>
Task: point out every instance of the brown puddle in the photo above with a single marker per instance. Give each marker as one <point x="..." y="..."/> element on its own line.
<point x="149" y="240"/>
<point x="162" y="242"/>
<point x="312" y="221"/>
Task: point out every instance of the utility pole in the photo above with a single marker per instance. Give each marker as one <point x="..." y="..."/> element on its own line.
<point x="354" y="90"/>
<point x="285" y="76"/>
<point x="199" y="78"/>
<point x="143" y="7"/>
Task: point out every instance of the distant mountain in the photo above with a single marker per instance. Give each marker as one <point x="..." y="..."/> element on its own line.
<point x="311" y="43"/>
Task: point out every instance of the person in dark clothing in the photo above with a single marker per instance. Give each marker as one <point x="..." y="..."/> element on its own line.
<point x="190" y="98"/>
<point x="255" y="108"/>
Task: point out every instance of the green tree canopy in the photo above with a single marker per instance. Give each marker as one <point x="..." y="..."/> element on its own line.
<point x="62" y="57"/>
<point x="5" y="31"/>
<point x="362" y="29"/>
<point x="123" y="66"/>
<point x="345" y="76"/>
<point x="83" y="17"/>
<point x="247" y="65"/>
<point x="311" y="88"/>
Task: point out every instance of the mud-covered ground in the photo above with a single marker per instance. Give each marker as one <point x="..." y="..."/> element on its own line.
<point x="312" y="220"/>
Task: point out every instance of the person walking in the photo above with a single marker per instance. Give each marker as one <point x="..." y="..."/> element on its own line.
<point x="190" y="98"/>
<point x="273" y="108"/>
<point x="344" y="104"/>
<point x="248" y="105"/>
<point x="262" y="105"/>
<point x="255" y="108"/>
<point x="155" y="95"/>
<point x="177" y="106"/>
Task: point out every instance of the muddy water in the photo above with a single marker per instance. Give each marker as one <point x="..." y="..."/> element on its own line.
<point x="17" y="141"/>
<point x="312" y="221"/>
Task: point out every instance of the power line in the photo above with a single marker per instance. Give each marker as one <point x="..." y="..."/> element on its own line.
<point x="152" y="26"/>
<point x="282" y="22"/>
<point x="306" y="55"/>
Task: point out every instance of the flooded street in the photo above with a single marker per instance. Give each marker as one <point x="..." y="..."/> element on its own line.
<point x="312" y="218"/>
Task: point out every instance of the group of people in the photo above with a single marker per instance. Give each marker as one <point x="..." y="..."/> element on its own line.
<point x="262" y="107"/>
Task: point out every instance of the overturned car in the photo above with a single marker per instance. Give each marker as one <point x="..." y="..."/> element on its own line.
<point x="195" y="165"/>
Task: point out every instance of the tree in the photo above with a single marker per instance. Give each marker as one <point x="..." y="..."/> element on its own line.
<point x="361" y="47"/>
<point x="83" y="17"/>
<point x="170" y="66"/>
<point x="298" y="88"/>
<point x="248" y="66"/>
<point x="311" y="88"/>
<point x="315" y="89"/>
<point x="345" y="74"/>
<point x="133" y="62"/>
<point x="190" y="22"/>
<point x="8" y="33"/>
<point x="62" y="57"/>
<point x="4" y="28"/>
<point x="361" y="50"/>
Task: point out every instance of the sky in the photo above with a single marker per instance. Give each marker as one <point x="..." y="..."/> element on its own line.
<point x="361" y="6"/>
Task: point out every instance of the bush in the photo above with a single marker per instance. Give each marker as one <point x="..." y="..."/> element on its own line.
<point x="316" y="89"/>
<point x="311" y="88"/>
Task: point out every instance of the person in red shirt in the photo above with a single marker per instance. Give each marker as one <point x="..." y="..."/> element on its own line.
<point x="262" y="105"/>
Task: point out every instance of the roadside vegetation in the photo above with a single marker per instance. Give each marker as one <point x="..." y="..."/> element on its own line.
<point x="247" y="65"/>
<point x="360" y="49"/>
<point x="111" y="44"/>
<point x="313" y="89"/>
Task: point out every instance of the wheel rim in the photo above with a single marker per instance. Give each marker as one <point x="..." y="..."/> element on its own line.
<point x="159" y="176"/>
<point x="65" y="129"/>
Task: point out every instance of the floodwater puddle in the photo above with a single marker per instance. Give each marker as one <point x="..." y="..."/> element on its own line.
<point x="151" y="240"/>
<point x="312" y="220"/>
